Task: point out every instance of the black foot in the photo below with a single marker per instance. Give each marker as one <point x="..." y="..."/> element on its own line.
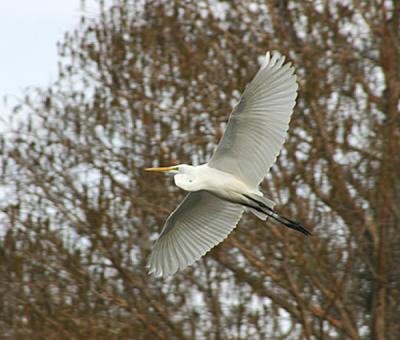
<point x="296" y="226"/>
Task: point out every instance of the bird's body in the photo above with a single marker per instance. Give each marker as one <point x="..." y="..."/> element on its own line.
<point x="220" y="183"/>
<point x="222" y="189"/>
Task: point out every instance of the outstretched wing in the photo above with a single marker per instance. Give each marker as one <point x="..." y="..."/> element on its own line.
<point x="198" y="224"/>
<point x="257" y="127"/>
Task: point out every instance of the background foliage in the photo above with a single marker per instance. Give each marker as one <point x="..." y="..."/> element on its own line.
<point x="152" y="82"/>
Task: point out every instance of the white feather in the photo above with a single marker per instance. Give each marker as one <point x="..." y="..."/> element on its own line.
<point x="258" y="124"/>
<point x="199" y="223"/>
<point x="252" y="140"/>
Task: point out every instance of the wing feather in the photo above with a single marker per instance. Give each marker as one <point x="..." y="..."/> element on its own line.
<point x="257" y="127"/>
<point x="199" y="223"/>
<point x="255" y="133"/>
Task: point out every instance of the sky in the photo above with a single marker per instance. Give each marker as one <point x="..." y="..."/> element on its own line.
<point x="29" y="31"/>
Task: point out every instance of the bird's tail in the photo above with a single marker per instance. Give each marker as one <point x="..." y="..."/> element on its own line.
<point x="263" y="208"/>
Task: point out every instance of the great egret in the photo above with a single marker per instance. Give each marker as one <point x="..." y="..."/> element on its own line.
<point x="223" y="188"/>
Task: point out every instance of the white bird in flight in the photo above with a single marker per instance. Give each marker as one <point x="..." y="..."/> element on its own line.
<point x="222" y="189"/>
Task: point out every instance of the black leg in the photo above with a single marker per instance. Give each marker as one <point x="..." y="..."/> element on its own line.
<point x="263" y="208"/>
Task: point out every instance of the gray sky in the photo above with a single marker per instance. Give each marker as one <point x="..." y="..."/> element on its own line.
<point x="29" y="31"/>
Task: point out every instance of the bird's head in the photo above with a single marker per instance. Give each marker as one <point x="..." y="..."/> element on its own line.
<point x="184" y="175"/>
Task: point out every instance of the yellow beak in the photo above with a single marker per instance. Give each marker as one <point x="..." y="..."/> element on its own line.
<point x="167" y="168"/>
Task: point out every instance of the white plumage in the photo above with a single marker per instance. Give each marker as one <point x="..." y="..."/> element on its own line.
<point x="199" y="223"/>
<point x="223" y="188"/>
<point x="257" y="127"/>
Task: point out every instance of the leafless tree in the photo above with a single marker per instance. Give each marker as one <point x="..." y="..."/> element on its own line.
<point x="153" y="82"/>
